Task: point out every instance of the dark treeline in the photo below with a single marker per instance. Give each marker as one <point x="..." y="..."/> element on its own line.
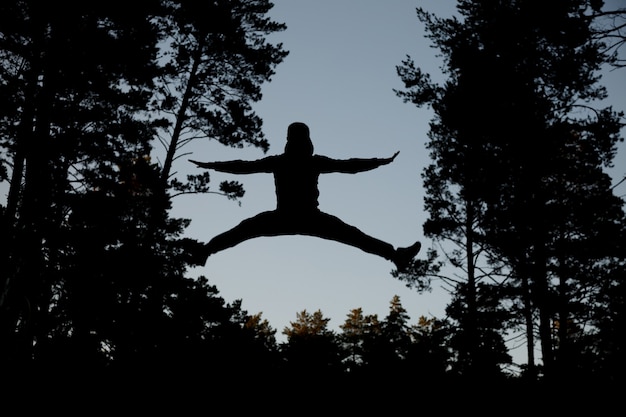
<point x="517" y="192"/>
<point x="93" y="267"/>
<point x="93" y="270"/>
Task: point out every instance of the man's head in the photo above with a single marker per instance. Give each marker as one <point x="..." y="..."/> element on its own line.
<point x="298" y="140"/>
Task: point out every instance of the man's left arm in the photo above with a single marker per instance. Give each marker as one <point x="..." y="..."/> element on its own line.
<point x="353" y="165"/>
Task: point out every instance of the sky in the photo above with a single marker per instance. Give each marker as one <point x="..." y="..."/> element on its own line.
<point x="338" y="78"/>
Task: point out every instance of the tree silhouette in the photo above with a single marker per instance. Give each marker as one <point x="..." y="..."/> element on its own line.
<point x="430" y="355"/>
<point x="311" y="348"/>
<point x="214" y="59"/>
<point x="93" y="268"/>
<point x="75" y="79"/>
<point x="608" y="27"/>
<point x="92" y="264"/>
<point x="480" y="348"/>
<point x="509" y="141"/>
<point x="357" y="330"/>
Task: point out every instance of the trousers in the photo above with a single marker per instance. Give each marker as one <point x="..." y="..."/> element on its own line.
<point x="310" y="223"/>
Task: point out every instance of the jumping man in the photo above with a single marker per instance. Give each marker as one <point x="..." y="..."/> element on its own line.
<point x="296" y="174"/>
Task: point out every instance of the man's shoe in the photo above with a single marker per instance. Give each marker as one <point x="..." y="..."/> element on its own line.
<point x="404" y="256"/>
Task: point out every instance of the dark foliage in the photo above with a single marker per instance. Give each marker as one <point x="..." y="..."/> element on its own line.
<point x="93" y="267"/>
<point x="95" y="302"/>
<point x="519" y="146"/>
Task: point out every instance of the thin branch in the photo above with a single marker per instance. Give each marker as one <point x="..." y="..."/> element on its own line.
<point x="201" y="192"/>
<point x="618" y="183"/>
<point x="182" y="154"/>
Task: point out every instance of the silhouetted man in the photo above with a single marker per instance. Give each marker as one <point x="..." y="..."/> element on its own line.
<point x="296" y="173"/>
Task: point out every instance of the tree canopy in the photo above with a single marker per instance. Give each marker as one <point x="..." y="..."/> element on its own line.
<point x="99" y="100"/>
<point x="519" y="144"/>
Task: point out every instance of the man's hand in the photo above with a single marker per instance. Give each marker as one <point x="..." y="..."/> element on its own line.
<point x="390" y="160"/>
<point x="201" y="164"/>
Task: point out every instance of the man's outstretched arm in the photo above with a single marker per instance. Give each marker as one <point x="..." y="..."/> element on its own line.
<point x="238" y="166"/>
<point x="353" y="165"/>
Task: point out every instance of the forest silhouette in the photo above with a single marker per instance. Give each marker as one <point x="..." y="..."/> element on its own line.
<point x="94" y="281"/>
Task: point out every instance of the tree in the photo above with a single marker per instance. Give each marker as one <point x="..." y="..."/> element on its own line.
<point x="429" y="355"/>
<point x="76" y="78"/>
<point x="606" y="348"/>
<point x="391" y="355"/>
<point x="311" y="348"/>
<point x="204" y="334"/>
<point x="91" y="258"/>
<point x="608" y="27"/>
<point x="480" y="350"/>
<point x="509" y="138"/>
<point x="454" y="184"/>
<point x="214" y="59"/>
<point x="262" y="330"/>
<point x="357" y="332"/>
<point x="387" y="344"/>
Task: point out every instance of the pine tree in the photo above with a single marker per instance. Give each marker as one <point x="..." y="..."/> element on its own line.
<point x="430" y="355"/>
<point x="311" y="348"/>
<point x="92" y="263"/>
<point x="77" y="75"/>
<point x="511" y="136"/>
<point x="386" y="347"/>
<point x="357" y="331"/>
<point x="214" y="60"/>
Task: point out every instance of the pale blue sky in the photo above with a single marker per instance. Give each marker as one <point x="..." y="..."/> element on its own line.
<point x="338" y="78"/>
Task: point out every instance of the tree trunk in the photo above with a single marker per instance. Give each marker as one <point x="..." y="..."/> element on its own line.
<point x="36" y="207"/>
<point x="530" y="327"/>
<point x="562" y="354"/>
<point x="180" y="119"/>
<point x="22" y="271"/>
<point x="471" y="324"/>
<point x="545" y="309"/>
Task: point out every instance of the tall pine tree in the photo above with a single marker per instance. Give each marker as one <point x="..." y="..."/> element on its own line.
<point x="93" y="266"/>
<point x="518" y="136"/>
